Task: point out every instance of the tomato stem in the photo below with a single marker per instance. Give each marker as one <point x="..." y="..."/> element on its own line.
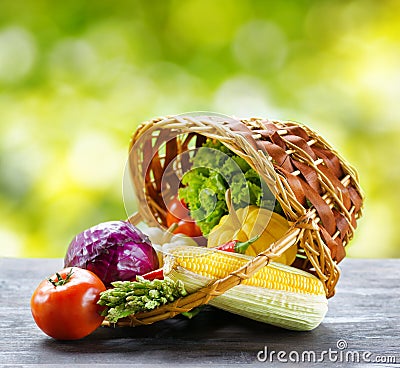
<point x="59" y="281"/>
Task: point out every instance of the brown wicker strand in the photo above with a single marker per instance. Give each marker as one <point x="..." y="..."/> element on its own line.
<point x="317" y="189"/>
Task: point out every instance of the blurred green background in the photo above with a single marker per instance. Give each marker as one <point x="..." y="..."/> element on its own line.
<point x="76" y="77"/>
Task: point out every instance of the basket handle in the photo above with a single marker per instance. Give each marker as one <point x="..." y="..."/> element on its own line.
<point x="135" y="218"/>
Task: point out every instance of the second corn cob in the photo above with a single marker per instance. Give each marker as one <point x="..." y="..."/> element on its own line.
<point x="277" y="294"/>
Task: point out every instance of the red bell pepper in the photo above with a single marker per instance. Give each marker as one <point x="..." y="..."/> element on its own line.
<point x="156" y="274"/>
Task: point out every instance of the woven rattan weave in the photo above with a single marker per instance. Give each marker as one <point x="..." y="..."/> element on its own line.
<point x="317" y="189"/>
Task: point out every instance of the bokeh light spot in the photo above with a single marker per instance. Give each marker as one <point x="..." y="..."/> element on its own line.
<point x="17" y="53"/>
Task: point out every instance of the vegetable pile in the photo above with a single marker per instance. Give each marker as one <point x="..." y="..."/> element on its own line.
<point x="114" y="270"/>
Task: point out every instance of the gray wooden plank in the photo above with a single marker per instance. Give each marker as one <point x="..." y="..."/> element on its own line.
<point x="364" y="312"/>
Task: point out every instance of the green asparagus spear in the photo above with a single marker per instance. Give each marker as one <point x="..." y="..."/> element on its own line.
<point x="130" y="297"/>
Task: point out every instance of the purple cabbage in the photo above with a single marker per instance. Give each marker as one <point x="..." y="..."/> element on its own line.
<point x="114" y="250"/>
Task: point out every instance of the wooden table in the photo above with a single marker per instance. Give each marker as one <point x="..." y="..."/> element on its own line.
<point x="363" y="318"/>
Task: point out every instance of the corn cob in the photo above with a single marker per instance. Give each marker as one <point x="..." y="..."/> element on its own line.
<point x="276" y="294"/>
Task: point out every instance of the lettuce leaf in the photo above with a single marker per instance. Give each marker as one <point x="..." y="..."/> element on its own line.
<point x="215" y="168"/>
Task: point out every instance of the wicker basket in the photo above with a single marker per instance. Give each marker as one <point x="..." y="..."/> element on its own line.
<point x="318" y="191"/>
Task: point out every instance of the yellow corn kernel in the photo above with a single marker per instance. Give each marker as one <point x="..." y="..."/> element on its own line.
<point x="218" y="264"/>
<point x="277" y="294"/>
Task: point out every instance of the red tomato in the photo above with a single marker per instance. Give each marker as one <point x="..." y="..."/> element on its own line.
<point x="65" y="305"/>
<point x="176" y="211"/>
<point x="179" y="213"/>
<point x="188" y="227"/>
